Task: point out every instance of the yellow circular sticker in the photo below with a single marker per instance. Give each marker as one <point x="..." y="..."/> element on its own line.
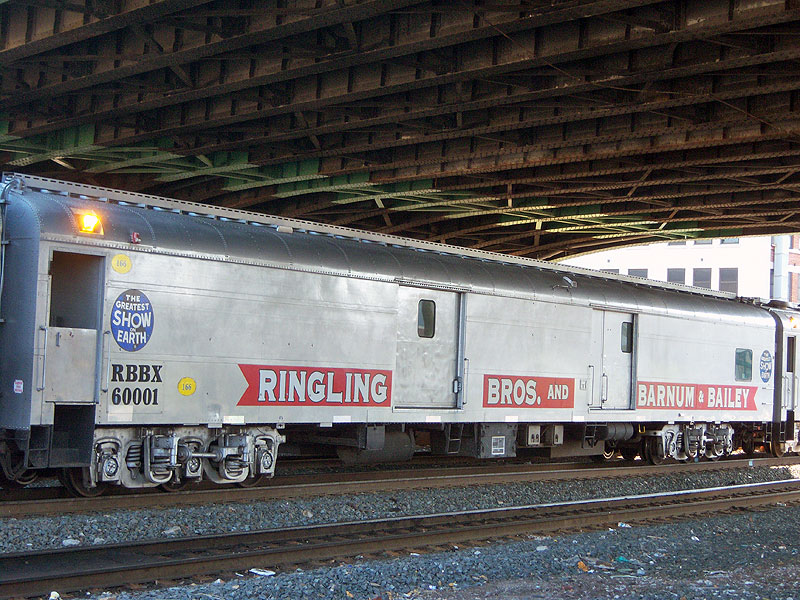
<point x="187" y="386"/>
<point x="121" y="263"/>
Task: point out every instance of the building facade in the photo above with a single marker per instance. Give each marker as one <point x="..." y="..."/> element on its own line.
<point x="760" y="267"/>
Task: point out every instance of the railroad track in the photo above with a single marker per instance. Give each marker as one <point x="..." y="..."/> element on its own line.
<point x="332" y="484"/>
<point x="34" y="573"/>
<point x="304" y="471"/>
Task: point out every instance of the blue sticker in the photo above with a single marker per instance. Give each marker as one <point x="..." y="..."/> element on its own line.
<point x="132" y="320"/>
<point x="765" y="366"/>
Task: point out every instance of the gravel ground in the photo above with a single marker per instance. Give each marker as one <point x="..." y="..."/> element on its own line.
<point x="18" y="535"/>
<point x="748" y="556"/>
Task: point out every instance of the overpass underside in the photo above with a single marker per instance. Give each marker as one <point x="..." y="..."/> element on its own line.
<point x="536" y="128"/>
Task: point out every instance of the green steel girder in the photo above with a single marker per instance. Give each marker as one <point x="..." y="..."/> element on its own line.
<point x="58" y="144"/>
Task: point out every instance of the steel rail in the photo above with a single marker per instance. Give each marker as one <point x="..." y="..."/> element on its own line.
<point x="31" y="573"/>
<point x="361" y="482"/>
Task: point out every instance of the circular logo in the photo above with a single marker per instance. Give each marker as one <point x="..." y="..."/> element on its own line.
<point x="187" y="386"/>
<point x="132" y="320"/>
<point x="121" y="263"/>
<point x="765" y="366"/>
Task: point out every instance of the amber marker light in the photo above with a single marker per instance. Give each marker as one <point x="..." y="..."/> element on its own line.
<point x="90" y="223"/>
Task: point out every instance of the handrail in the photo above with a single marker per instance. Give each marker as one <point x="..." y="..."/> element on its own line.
<point x="44" y="360"/>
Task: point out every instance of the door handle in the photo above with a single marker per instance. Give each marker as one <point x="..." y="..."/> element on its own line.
<point x="464" y="382"/>
<point x="604" y="389"/>
<point x="44" y="360"/>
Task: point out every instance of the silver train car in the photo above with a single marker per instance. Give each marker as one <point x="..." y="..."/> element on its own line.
<point x="147" y="342"/>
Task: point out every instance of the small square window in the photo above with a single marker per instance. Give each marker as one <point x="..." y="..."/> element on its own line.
<point x="627" y="338"/>
<point x="701" y="278"/>
<point x="729" y="280"/>
<point x="744" y="364"/>
<point x="426" y="318"/>
<point x="676" y="275"/>
<point x="638" y="273"/>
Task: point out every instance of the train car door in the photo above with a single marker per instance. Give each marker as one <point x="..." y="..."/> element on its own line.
<point x="428" y="348"/>
<point x="70" y="343"/>
<point x="616" y="374"/>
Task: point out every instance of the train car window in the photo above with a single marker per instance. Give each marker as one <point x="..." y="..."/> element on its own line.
<point x="426" y="318"/>
<point x="744" y="364"/>
<point x="790" y="349"/>
<point x="627" y="338"/>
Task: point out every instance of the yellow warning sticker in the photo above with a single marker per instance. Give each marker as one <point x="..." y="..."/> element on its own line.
<point x="121" y="263"/>
<point x="187" y="386"/>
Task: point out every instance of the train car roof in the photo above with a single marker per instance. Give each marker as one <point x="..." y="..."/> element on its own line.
<point x="181" y="227"/>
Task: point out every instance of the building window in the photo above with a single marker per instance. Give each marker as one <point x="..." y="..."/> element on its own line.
<point x="729" y="241"/>
<point x="772" y="283"/>
<point x="744" y="364"/>
<point x="676" y="244"/>
<point x="706" y="242"/>
<point x="638" y="272"/>
<point x="676" y="275"/>
<point x="701" y="278"/>
<point x="426" y="318"/>
<point x="729" y="280"/>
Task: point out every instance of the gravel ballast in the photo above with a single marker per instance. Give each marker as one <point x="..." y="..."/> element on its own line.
<point x="748" y="556"/>
<point x="17" y="535"/>
<point x="753" y="555"/>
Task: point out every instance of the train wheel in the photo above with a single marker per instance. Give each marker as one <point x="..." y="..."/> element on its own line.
<point x="777" y="449"/>
<point x="174" y="486"/>
<point x="74" y="480"/>
<point x="629" y="453"/>
<point x="651" y="454"/>
<point x="252" y="481"/>
<point x="609" y="453"/>
<point x="25" y="479"/>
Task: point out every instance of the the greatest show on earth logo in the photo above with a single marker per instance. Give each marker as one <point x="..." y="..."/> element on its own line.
<point x="765" y="366"/>
<point x="132" y="320"/>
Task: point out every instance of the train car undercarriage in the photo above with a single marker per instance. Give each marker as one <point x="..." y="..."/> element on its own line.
<point x="174" y="457"/>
